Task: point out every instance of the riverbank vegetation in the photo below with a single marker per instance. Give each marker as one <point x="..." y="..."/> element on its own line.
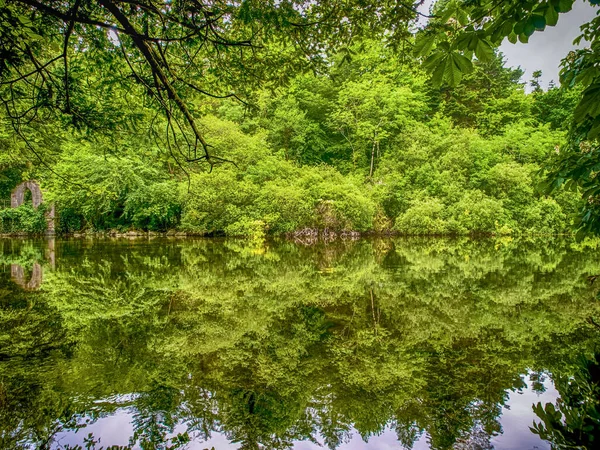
<point x="370" y="141"/>
<point x="372" y="147"/>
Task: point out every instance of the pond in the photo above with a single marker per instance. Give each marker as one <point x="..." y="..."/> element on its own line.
<point x="351" y="344"/>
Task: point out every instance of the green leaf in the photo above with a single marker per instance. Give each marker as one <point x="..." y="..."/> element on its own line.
<point x="424" y="44"/>
<point x="587" y="76"/>
<point x="529" y="28"/>
<point x="435" y="64"/>
<point x="539" y="22"/>
<point x="444" y="46"/>
<point x="433" y="60"/>
<point x="551" y="16"/>
<point x="484" y="50"/>
<point x="437" y="75"/>
<point x="448" y="12"/>
<point x="512" y="38"/>
<point x="589" y="104"/>
<point x="523" y="38"/>
<point x="519" y="27"/>
<point x="456" y="66"/>
<point x="462" y="62"/>
<point x="507" y="28"/>
<point x="452" y="73"/>
<point x="564" y="6"/>
<point x="466" y="40"/>
<point x="501" y="31"/>
<point x="462" y="16"/>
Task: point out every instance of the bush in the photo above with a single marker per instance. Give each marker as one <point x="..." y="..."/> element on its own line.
<point x="477" y="213"/>
<point x="107" y="191"/>
<point x="284" y="207"/>
<point x="544" y="216"/>
<point x="425" y="216"/>
<point x="511" y="182"/>
<point x="234" y="202"/>
<point x="154" y="207"/>
<point x="339" y="204"/>
<point x="249" y="228"/>
<point x="24" y="219"/>
<point x="216" y="200"/>
<point x="70" y="220"/>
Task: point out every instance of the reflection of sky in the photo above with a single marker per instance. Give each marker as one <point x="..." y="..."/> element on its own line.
<point x="515" y="420"/>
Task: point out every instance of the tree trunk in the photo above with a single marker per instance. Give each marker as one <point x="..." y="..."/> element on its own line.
<point x="373" y="155"/>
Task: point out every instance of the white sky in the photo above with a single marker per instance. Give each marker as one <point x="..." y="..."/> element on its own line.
<point x="546" y="49"/>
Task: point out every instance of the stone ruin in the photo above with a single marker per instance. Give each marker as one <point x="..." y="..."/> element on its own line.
<point x="17" y="272"/>
<point x="17" y="198"/>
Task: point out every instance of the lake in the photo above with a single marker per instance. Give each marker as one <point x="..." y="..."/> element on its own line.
<point x="423" y="343"/>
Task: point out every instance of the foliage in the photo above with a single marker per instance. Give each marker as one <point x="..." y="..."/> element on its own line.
<point x="284" y="342"/>
<point x="24" y="219"/>
<point x="463" y="30"/>
<point x="365" y="143"/>
<point x="271" y="193"/>
<point x="62" y="58"/>
<point x="154" y="207"/>
<point x="423" y="217"/>
<point x="575" y="421"/>
<point x="110" y="191"/>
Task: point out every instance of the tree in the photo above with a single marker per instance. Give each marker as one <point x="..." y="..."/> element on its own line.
<point x="489" y="84"/>
<point x="535" y="81"/>
<point x="575" y="420"/>
<point x="171" y="52"/>
<point x="462" y="30"/>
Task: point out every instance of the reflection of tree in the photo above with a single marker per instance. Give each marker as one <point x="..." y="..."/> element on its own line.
<point x="574" y="423"/>
<point x="292" y="343"/>
<point x="155" y="418"/>
<point x="32" y="339"/>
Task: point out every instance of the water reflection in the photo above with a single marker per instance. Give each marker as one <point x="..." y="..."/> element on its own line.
<point x="17" y="275"/>
<point x="28" y="258"/>
<point x="365" y="344"/>
<point x="120" y="426"/>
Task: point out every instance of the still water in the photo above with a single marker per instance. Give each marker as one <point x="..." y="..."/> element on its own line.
<point x="228" y="344"/>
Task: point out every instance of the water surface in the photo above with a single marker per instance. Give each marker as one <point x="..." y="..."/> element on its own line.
<point x="368" y="344"/>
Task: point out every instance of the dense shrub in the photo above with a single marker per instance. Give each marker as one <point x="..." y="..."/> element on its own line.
<point x="154" y="207"/>
<point x="71" y="220"/>
<point x="544" y="216"/>
<point x="113" y="192"/>
<point x="370" y="148"/>
<point x="24" y="219"/>
<point x="239" y="203"/>
<point x="427" y="216"/>
<point x="477" y="213"/>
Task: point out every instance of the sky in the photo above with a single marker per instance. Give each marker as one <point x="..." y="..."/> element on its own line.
<point x="546" y="49"/>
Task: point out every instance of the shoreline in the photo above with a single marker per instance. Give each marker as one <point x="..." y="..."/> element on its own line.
<point x="299" y="235"/>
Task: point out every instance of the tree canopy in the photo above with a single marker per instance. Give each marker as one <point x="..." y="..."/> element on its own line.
<point x="165" y="52"/>
<point x="382" y="92"/>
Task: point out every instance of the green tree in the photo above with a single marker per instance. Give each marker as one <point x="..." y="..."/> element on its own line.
<point x="168" y="55"/>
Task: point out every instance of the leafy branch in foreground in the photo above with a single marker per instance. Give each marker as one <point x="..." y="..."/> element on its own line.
<point x="168" y="53"/>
